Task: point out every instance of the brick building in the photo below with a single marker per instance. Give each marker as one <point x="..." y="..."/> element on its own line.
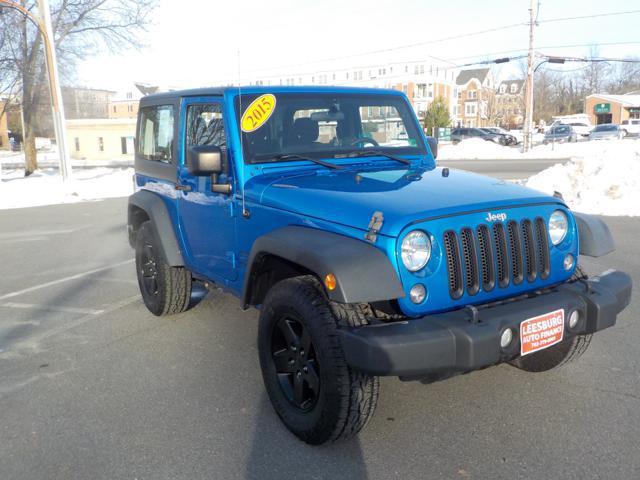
<point x="604" y="108"/>
<point x="475" y="96"/>
<point x="510" y="103"/>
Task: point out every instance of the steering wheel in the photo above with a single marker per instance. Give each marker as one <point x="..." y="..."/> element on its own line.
<point x="358" y="141"/>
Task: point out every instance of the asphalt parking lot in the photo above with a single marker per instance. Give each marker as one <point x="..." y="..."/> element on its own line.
<point x="93" y="386"/>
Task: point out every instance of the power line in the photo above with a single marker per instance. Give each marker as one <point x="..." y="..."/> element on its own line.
<point x="446" y="39"/>
<point x="582" y="17"/>
<point x="519" y="50"/>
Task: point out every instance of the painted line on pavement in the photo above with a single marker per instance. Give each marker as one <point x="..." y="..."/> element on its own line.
<point x="62" y="280"/>
<point x="51" y="308"/>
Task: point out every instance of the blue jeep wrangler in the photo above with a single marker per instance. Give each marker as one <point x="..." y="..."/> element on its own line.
<point x="325" y="210"/>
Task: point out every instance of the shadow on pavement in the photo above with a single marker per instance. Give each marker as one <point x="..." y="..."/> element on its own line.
<point x="276" y="453"/>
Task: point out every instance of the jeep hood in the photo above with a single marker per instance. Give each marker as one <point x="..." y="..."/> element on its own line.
<point x="404" y="196"/>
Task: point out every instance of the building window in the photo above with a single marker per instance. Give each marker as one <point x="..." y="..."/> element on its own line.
<point x="472" y="94"/>
<point x="77" y="142"/>
<point x="123" y="145"/>
<point x="470" y="109"/>
<point x="503" y="88"/>
<point x="101" y="144"/>
<point x="514" y="88"/>
<point x="115" y="109"/>
<point x="129" y="96"/>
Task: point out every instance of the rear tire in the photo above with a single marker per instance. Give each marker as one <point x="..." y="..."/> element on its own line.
<point x="315" y="393"/>
<point x="558" y="355"/>
<point x="165" y="290"/>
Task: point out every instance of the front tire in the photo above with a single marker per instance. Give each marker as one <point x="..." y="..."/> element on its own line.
<point x="165" y="290"/>
<point x="315" y="393"/>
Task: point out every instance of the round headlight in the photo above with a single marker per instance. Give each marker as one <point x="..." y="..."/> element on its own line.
<point x="558" y="226"/>
<point x="416" y="250"/>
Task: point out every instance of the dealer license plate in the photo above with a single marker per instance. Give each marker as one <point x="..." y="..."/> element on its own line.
<point x="541" y="332"/>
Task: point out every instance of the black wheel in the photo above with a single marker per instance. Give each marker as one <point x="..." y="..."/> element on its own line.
<point x="558" y="355"/>
<point x="165" y="289"/>
<point x="312" y="389"/>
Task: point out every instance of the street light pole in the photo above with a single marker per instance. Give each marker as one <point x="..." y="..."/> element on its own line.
<point x="44" y="26"/>
<point x="528" y="125"/>
<point x="56" y="93"/>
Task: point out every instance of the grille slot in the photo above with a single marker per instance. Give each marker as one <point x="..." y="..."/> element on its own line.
<point x="454" y="268"/>
<point x="515" y="251"/>
<point x="472" y="281"/>
<point x="481" y="257"/>
<point x="486" y="258"/>
<point x="500" y="242"/>
<point x="530" y="266"/>
<point x="542" y="243"/>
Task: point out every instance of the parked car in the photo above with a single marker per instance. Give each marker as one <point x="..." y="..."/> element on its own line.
<point x="559" y="134"/>
<point x="462" y="133"/>
<point x="630" y="127"/>
<point x="506" y="137"/>
<point x="580" y="127"/>
<point x="363" y="260"/>
<point x="606" y="131"/>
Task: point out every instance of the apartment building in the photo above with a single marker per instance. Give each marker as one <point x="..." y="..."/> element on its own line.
<point x="422" y="81"/>
<point x="124" y="104"/>
<point x="475" y="97"/>
<point x="510" y="103"/>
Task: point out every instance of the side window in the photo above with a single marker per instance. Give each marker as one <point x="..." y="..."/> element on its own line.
<point x="155" y="138"/>
<point x="205" y="125"/>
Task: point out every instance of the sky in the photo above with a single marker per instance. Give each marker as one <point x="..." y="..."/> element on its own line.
<point x="204" y="43"/>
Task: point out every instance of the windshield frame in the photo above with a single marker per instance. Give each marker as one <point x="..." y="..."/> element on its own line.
<point x="404" y="109"/>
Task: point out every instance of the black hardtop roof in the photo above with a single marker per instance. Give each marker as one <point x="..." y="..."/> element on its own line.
<point x="213" y="91"/>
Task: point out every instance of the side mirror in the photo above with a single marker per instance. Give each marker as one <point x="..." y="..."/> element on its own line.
<point x="433" y="145"/>
<point x="204" y="160"/>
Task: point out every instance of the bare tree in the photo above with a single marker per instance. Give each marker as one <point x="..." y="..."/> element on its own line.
<point x="594" y="76"/>
<point x="81" y="28"/>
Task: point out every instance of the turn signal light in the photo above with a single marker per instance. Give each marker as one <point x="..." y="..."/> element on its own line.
<point x="330" y="281"/>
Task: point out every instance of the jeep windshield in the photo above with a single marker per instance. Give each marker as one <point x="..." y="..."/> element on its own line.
<point x="326" y="125"/>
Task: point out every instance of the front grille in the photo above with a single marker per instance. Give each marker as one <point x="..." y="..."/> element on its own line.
<point x="484" y="257"/>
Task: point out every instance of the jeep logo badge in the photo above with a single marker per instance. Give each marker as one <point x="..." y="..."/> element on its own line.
<point x="492" y="217"/>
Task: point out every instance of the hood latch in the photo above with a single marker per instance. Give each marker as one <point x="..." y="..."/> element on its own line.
<point x="375" y="224"/>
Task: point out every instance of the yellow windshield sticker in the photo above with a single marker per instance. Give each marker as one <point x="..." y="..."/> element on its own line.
<point x="258" y="112"/>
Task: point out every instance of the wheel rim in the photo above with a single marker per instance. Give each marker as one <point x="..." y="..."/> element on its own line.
<point x="295" y="362"/>
<point x="149" y="269"/>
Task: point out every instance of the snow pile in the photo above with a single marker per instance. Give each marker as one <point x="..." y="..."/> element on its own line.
<point x="478" y="149"/>
<point x="604" y="179"/>
<point x="45" y="187"/>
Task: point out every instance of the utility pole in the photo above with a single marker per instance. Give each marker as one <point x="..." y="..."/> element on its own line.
<point x="56" y="93"/>
<point x="44" y="27"/>
<point x="528" y="122"/>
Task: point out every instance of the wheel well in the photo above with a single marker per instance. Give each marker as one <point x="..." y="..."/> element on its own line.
<point x="266" y="271"/>
<point x="137" y="216"/>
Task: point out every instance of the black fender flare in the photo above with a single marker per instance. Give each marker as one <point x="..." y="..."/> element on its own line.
<point x="363" y="272"/>
<point x="594" y="235"/>
<point x="153" y="205"/>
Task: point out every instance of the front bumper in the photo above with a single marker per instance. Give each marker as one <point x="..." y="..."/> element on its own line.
<point x="454" y="342"/>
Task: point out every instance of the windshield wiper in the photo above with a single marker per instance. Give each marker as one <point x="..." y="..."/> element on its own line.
<point x="370" y="153"/>
<point x="294" y="156"/>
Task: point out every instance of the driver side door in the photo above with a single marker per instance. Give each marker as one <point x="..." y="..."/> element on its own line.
<point x="207" y="219"/>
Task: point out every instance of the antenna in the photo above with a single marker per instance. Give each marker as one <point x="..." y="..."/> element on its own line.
<point x="245" y="212"/>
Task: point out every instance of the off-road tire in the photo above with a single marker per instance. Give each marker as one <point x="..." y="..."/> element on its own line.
<point x="346" y="399"/>
<point x="171" y="292"/>
<point x="558" y="355"/>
